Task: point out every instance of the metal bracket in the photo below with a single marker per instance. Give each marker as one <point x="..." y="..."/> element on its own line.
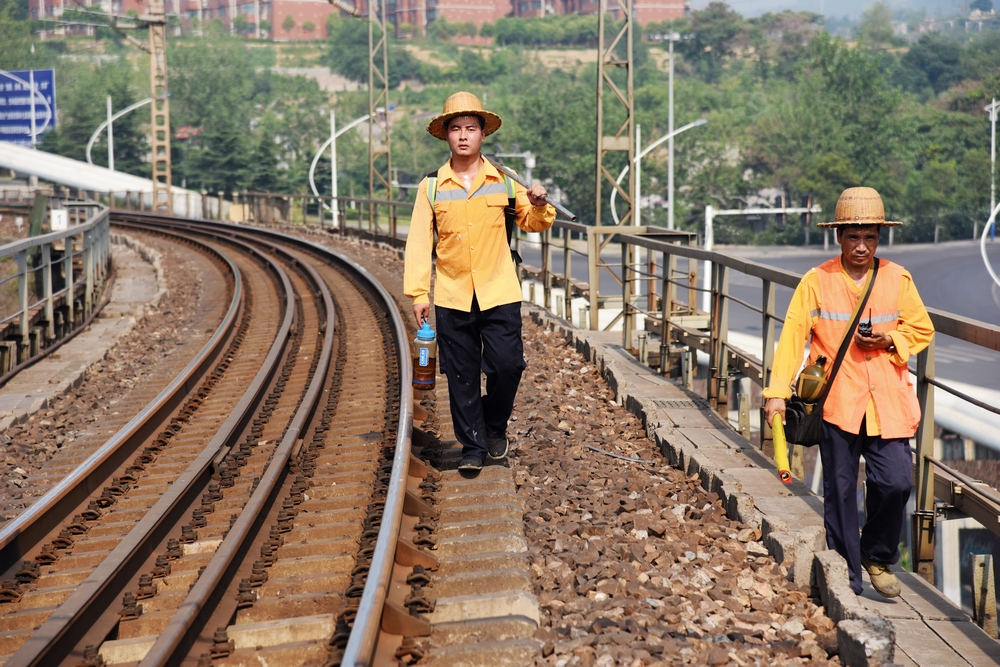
<point x="396" y="620"/>
<point x="414" y="506"/>
<point x="408" y="555"/>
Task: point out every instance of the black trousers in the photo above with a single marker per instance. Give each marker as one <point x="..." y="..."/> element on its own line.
<point x="480" y="341"/>
<point x="889" y="470"/>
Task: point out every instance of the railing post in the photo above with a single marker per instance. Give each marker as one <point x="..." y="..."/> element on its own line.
<point x="767" y="350"/>
<point x="567" y="275"/>
<point x="628" y="321"/>
<point x="88" y="267"/>
<point x="50" y="329"/>
<point x="593" y="277"/>
<point x="984" y="595"/>
<point x="718" y="372"/>
<point x="547" y="268"/>
<point x="666" y="301"/>
<point x="924" y="516"/>
<point x="22" y="298"/>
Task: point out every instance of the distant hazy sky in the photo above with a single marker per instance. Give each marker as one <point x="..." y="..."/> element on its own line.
<point x="834" y="8"/>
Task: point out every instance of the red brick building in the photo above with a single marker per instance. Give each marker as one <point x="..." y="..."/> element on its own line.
<point x="298" y="20"/>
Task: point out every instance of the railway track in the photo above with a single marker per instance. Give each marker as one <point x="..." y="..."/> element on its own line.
<point x="251" y="511"/>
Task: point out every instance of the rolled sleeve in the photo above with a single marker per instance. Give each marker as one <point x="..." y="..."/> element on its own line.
<point x="419" y="245"/>
<point x="802" y="312"/>
<point x="532" y="218"/>
<point x="914" y="330"/>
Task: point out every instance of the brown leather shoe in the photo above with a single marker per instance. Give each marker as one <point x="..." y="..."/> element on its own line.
<point x="883" y="580"/>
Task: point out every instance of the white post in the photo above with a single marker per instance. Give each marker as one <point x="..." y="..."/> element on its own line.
<point x="637" y="218"/>
<point x="670" y="142"/>
<point x="31" y="97"/>
<point x="637" y="206"/>
<point x="111" y="139"/>
<point x="992" y="108"/>
<point x="333" y="168"/>
<point x="706" y="278"/>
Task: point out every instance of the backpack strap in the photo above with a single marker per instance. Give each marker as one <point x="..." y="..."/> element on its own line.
<point x="432" y="187"/>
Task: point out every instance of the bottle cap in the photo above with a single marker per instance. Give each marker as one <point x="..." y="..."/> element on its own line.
<point x="425" y="332"/>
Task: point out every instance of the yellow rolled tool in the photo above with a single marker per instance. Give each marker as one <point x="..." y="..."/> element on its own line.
<point x="780" y="449"/>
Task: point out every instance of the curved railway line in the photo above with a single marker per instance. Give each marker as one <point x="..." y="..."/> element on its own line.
<point x="251" y="509"/>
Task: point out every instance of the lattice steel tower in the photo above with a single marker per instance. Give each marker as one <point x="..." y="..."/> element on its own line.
<point x="623" y="138"/>
<point x="160" y="126"/>
<point x="378" y="98"/>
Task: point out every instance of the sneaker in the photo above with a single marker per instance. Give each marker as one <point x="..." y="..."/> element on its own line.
<point x="883" y="580"/>
<point x="497" y="447"/>
<point x="471" y="463"/>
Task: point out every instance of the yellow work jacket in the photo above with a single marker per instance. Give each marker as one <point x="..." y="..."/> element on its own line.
<point x="874" y="384"/>
<point x="473" y="255"/>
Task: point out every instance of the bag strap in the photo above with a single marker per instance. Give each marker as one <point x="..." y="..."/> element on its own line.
<point x="848" y="335"/>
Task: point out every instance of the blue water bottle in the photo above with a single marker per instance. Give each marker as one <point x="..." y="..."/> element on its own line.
<point x="424" y="358"/>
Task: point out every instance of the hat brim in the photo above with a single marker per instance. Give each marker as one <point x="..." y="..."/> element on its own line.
<point x="438" y="127"/>
<point x="861" y="223"/>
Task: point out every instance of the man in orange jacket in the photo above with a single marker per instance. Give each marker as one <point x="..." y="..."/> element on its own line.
<point x="871" y="409"/>
<point x="477" y="295"/>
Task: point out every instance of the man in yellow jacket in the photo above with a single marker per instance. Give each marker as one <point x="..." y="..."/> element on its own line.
<point x="871" y="409"/>
<point x="477" y="294"/>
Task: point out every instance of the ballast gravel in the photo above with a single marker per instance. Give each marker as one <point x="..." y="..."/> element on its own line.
<point x="634" y="563"/>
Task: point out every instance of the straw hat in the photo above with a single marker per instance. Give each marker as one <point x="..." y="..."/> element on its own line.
<point x="859" y="206"/>
<point x="462" y="104"/>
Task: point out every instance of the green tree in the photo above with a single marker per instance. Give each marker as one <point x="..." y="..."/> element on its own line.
<point x="309" y="26"/>
<point x="973" y="173"/>
<point x="83" y="91"/>
<point x="935" y="190"/>
<point x="826" y="178"/>
<point x="264" y="175"/>
<point x="15" y="38"/>
<point x="714" y="37"/>
<point x="288" y="24"/>
<point x="981" y="5"/>
<point x="933" y="62"/>
<point x="875" y="27"/>
<point x="222" y="160"/>
<point x="348" y="52"/>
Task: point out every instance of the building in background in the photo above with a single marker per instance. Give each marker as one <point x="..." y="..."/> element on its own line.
<point x="305" y="20"/>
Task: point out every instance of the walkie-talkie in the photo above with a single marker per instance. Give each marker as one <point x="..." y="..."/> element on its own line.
<point x="865" y="328"/>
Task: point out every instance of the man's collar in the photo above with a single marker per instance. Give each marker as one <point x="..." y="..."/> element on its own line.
<point x="446" y="172"/>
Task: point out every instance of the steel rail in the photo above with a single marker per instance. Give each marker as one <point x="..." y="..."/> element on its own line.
<point x="364" y="634"/>
<point x="64" y="629"/>
<point x="25" y="531"/>
<point x="188" y="621"/>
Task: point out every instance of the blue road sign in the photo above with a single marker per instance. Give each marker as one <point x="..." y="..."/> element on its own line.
<point x="27" y="105"/>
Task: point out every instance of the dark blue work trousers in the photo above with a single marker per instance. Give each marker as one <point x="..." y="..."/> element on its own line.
<point x="889" y="470"/>
<point x="480" y="341"/>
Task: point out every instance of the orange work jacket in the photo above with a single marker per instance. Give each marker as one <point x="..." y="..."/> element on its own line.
<point x="863" y="376"/>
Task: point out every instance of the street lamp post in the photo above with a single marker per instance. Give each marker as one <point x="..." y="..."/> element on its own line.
<point x="111" y="138"/>
<point x="992" y="109"/>
<point x="107" y="123"/>
<point x="670" y="133"/>
<point x="332" y="143"/>
<point x="641" y="154"/>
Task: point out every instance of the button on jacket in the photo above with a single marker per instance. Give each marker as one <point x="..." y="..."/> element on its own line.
<point x="871" y="384"/>
<point x="473" y="256"/>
